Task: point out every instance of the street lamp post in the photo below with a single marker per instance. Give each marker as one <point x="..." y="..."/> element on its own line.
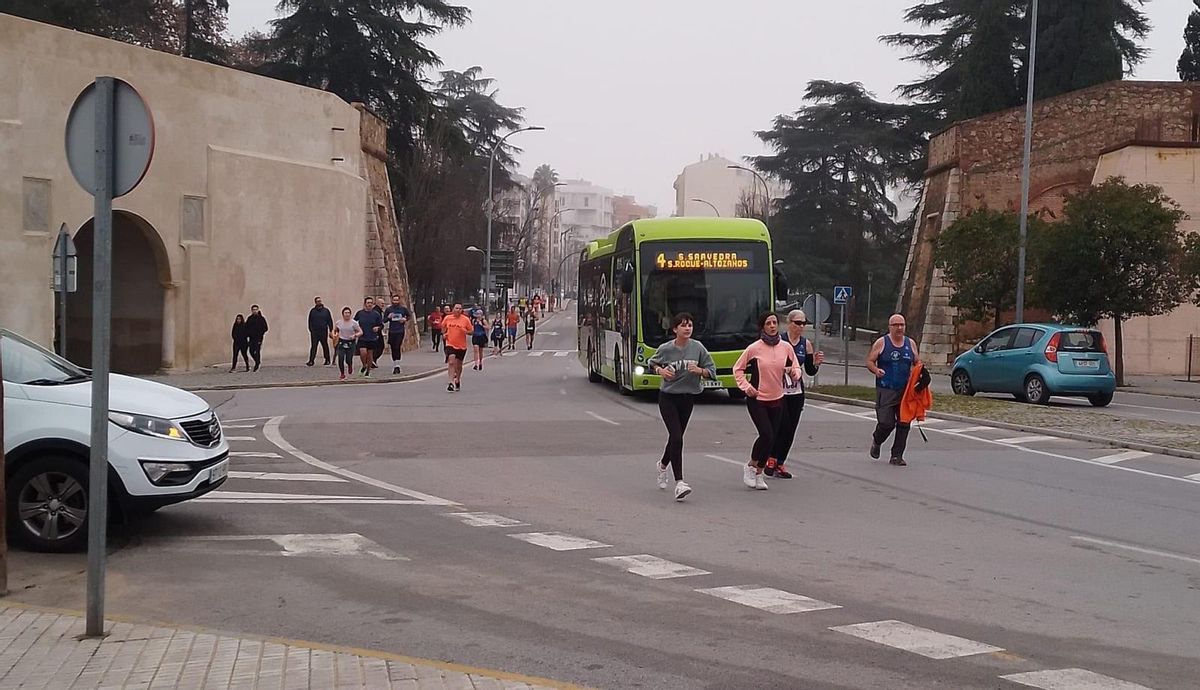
<point x="487" y="286"/>
<point x="766" y="189"/>
<point x="1025" y="164"/>
<point x="710" y="205"/>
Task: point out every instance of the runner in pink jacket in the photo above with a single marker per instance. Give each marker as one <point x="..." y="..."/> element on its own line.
<point x="760" y="372"/>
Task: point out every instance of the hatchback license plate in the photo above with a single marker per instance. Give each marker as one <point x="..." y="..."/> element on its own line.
<point x="219" y="472"/>
<point x="1087" y="363"/>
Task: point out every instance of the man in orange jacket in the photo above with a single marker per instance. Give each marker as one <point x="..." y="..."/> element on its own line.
<point x="892" y="359"/>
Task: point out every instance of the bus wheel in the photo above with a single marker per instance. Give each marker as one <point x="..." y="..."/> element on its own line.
<point x="593" y="375"/>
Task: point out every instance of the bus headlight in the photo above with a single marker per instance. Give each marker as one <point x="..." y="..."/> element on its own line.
<point x="639" y="370"/>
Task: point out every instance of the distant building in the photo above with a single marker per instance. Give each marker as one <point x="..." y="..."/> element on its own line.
<point x="729" y="190"/>
<point x="627" y="209"/>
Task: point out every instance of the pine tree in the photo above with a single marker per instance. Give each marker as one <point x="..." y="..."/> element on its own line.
<point x="990" y="82"/>
<point x="202" y="36"/>
<point x="1189" y="62"/>
<point x="1082" y="43"/>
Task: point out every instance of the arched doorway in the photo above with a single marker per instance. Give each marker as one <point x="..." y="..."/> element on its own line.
<point x="139" y="271"/>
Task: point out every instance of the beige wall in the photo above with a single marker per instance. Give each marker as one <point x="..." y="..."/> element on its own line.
<point x="273" y="167"/>
<point x="1158" y="344"/>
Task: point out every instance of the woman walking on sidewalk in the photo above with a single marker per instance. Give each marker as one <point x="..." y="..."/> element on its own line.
<point x="345" y="333"/>
<point x="768" y="361"/>
<point x="793" y="394"/>
<point x="683" y="364"/>
<point x="240" y="333"/>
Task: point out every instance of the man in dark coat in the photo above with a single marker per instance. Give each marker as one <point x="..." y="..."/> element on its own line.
<point x="320" y="325"/>
<point x="256" y="328"/>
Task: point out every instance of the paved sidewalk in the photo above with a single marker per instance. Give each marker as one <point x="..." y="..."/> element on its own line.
<point x="39" y="649"/>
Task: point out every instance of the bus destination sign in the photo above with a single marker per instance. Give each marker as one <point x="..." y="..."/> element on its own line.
<point x="726" y="260"/>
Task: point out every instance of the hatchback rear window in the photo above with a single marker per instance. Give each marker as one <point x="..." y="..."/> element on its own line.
<point x="1081" y="341"/>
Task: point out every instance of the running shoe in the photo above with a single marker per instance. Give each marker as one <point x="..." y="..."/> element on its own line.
<point x="749" y="476"/>
<point x="663" y="478"/>
<point x="760" y="483"/>
<point x="898" y="461"/>
<point x="875" y="451"/>
<point x="682" y="490"/>
<point x="449" y="387"/>
<point x="458" y="385"/>
<point x="395" y="370"/>
<point x="343" y="378"/>
<point x="769" y="470"/>
<point x="782" y="473"/>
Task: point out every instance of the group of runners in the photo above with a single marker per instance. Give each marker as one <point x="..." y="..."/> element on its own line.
<point x="454" y="329"/>
<point x="770" y="372"/>
<point x="365" y="333"/>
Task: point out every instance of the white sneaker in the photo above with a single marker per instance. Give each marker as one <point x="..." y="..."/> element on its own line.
<point x="664" y="478"/>
<point x="760" y="483"/>
<point x="748" y="476"/>
<point x="682" y="490"/>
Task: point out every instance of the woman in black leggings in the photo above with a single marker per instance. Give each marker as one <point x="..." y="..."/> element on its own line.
<point x="683" y="364"/>
<point x="793" y="396"/>
<point x="762" y="373"/>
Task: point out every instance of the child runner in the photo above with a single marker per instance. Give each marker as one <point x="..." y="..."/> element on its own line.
<point x="768" y="359"/>
<point x="683" y="364"/>
<point x="345" y="333"/>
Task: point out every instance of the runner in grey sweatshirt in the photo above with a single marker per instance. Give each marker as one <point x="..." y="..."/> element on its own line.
<point x="683" y="364"/>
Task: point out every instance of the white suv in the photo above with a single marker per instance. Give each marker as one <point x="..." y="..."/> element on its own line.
<point x="164" y="446"/>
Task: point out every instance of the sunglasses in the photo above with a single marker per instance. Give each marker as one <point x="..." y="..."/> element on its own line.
<point x="800" y="323"/>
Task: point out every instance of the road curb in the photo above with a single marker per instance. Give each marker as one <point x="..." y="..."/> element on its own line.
<point x="1110" y="442"/>
<point x="343" y="649"/>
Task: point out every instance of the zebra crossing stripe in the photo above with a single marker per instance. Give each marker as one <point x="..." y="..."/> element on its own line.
<point x="1122" y="457"/>
<point x="558" y="541"/>
<point x="768" y="599"/>
<point x="485" y="520"/>
<point x="1071" y="679"/>
<point x="652" y="567"/>
<point x="537" y="353"/>
<point x="254" y="454"/>
<point x="910" y="638"/>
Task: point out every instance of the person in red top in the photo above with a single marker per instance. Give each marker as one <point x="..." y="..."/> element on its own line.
<point x="456" y="329"/>
<point x="774" y="370"/>
<point x="435" y="327"/>
<point x="511" y="322"/>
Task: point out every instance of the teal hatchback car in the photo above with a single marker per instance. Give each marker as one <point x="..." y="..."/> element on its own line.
<point x="1034" y="361"/>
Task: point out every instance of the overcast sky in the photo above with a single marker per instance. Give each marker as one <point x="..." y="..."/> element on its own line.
<point x="630" y="91"/>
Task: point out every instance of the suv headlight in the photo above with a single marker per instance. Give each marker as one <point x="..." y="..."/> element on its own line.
<point x="150" y="426"/>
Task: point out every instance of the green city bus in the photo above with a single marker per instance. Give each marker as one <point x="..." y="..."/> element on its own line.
<point x="632" y="282"/>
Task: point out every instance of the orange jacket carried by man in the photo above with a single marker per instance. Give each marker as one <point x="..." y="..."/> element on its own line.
<point x="918" y="399"/>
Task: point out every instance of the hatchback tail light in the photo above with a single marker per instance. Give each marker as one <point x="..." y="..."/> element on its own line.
<point x="1103" y="343"/>
<point x="1052" y="348"/>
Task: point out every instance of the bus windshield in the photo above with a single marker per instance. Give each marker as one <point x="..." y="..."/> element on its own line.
<point x="723" y="285"/>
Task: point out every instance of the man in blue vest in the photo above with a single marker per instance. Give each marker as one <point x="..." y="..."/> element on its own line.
<point x="891" y="360"/>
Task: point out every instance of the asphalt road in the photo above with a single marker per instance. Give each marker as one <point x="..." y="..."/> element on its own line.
<point x="431" y="512"/>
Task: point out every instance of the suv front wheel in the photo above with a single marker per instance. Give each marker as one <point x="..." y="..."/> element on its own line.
<point x="48" y="504"/>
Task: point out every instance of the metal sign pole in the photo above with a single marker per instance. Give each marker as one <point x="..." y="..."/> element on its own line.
<point x="63" y="235"/>
<point x="817" y="323"/>
<point x="845" y="350"/>
<point x="101" y="346"/>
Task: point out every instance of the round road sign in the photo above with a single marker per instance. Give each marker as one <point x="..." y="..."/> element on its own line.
<point x="133" y="140"/>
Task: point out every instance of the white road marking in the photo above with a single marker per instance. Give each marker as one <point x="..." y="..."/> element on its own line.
<point x="559" y="541"/>
<point x="652" y="567"/>
<point x="1193" y="477"/>
<point x="291" y="498"/>
<point x="311" y="544"/>
<point x="547" y="333"/>
<point x="271" y="431"/>
<point x="1058" y="456"/>
<point x="240" y="438"/>
<point x="967" y="429"/>
<point x="931" y="420"/>
<point x="1139" y="549"/>
<point x="1016" y="440"/>
<point x="287" y="476"/>
<point x="722" y="459"/>
<point x="768" y="599"/>
<point x="562" y="353"/>
<point x="253" y="454"/>
<point x="606" y="420"/>
<point x="1158" y="409"/>
<point x="243" y="419"/>
<point x="1071" y="679"/>
<point x="485" y="520"/>
<point x="1122" y="457"/>
<point x="910" y="638"/>
<point x="239" y="426"/>
<point x="315" y="502"/>
<point x="536" y="353"/>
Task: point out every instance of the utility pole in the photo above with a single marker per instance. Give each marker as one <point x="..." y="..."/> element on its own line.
<point x="1033" y="14"/>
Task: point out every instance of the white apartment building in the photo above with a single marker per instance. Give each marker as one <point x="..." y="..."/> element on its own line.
<point x="711" y="180"/>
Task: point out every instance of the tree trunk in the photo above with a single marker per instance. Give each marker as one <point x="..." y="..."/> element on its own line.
<point x="1119" y="348"/>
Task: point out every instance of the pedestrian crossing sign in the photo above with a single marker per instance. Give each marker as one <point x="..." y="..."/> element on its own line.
<point x="841" y="294"/>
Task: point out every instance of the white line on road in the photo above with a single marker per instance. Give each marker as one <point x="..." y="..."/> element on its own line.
<point x="1122" y="457"/>
<point x="316" y="502"/>
<point x="485" y="520"/>
<point x="536" y="353"/>
<point x="1139" y="549"/>
<point x="606" y="420"/>
<point x="1071" y="679"/>
<point x="240" y="438"/>
<point x="768" y="599"/>
<point x="931" y="420"/>
<point x="910" y="638"/>
<point x="239" y="426"/>
<point x="1017" y="440"/>
<point x="253" y="454"/>
<point x="562" y="353"/>
<point x="1193" y="477"/>
<point x="312" y="544"/>
<point x="722" y="459"/>
<point x="287" y="476"/>
<point x="243" y="419"/>
<point x="652" y="567"/>
<point x="559" y="541"/>
<point x="294" y="498"/>
<point x="271" y="431"/>
<point x="967" y="429"/>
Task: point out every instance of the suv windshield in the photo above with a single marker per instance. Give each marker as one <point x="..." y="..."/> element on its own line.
<point x="723" y="285"/>
<point x="27" y="363"/>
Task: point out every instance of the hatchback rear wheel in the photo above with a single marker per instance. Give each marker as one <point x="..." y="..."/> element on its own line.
<point x="1035" y="390"/>
<point x="1100" y="399"/>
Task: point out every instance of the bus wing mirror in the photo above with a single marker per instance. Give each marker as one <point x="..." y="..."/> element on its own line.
<point x="781" y="285"/>
<point x="627" y="280"/>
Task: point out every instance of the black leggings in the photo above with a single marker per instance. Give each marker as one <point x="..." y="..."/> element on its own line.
<point x="345" y="356"/>
<point x="242" y="349"/>
<point x="436" y="336"/>
<point x="793" y="406"/>
<point x="396" y="343"/>
<point x="766" y="418"/>
<point x="676" y="410"/>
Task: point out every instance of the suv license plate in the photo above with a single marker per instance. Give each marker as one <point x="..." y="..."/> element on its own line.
<point x="1088" y="363"/>
<point x="219" y="472"/>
